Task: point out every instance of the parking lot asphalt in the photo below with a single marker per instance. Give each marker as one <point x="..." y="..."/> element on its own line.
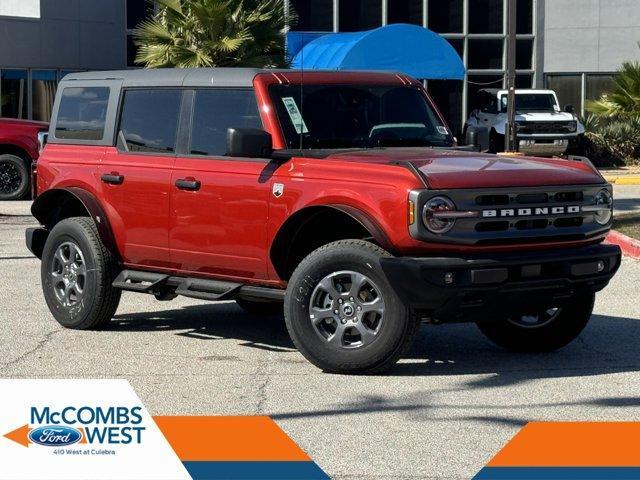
<point x="441" y="413"/>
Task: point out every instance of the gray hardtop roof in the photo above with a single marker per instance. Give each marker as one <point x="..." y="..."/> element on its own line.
<point x="186" y="77"/>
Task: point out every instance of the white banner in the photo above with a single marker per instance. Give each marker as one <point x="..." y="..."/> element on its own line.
<point x="79" y="429"/>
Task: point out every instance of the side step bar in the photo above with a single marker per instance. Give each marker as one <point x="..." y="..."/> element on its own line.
<point x="160" y="284"/>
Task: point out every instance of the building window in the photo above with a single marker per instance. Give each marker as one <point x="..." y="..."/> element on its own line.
<point x="136" y="12"/>
<point x="458" y="45"/>
<point x="404" y="11"/>
<point x="356" y="15"/>
<point x="447" y="95"/>
<point x="479" y="82"/>
<point x="524" y="54"/>
<point x="524" y="17"/>
<point x="596" y="85"/>
<point x="485" y="54"/>
<point x="14" y="94"/>
<point x="311" y="15"/>
<point x="524" y="80"/>
<point x="445" y="16"/>
<point x="43" y="92"/>
<point x="217" y="110"/>
<point x="485" y="16"/>
<point x="149" y="120"/>
<point x="82" y="113"/>
<point x="568" y="88"/>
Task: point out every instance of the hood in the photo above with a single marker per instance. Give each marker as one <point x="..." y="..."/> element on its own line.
<point x="19" y="122"/>
<point x="451" y="169"/>
<point x="543" y="116"/>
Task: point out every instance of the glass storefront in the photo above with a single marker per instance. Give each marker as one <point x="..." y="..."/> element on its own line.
<point x="14" y="100"/>
<point x="475" y="28"/>
<point x="29" y="94"/>
<point x="43" y="92"/>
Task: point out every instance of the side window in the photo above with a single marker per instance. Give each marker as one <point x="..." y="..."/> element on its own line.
<point x="217" y="110"/>
<point x="82" y="113"/>
<point x="149" y="120"/>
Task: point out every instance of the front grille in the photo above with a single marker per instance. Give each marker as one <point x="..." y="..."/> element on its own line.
<point x="517" y="215"/>
<point x="562" y="127"/>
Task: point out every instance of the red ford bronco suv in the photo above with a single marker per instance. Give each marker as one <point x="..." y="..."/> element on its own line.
<point x="340" y="195"/>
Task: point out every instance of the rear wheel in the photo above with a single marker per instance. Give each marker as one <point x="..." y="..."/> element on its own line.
<point x="341" y="312"/>
<point x="77" y="272"/>
<point x="14" y="177"/>
<point x="547" y="329"/>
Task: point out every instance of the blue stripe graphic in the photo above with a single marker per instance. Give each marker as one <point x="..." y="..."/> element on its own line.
<point x="558" y="473"/>
<point x="255" y="470"/>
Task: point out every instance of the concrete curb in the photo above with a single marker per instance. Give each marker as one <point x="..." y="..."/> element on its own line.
<point x="630" y="246"/>
<point x="623" y="179"/>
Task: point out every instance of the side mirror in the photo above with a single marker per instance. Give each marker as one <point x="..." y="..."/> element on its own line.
<point x="42" y="140"/>
<point x="569" y="108"/>
<point x="249" y="142"/>
<point x="478" y="136"/>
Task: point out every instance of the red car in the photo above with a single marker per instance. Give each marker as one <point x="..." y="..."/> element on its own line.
<point x="18" y="152"/>
<point x="341" y="196"/>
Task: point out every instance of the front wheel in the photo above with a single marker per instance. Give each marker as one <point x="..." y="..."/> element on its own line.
<point x="341" y="312"/>
<point x="545" y="330"/>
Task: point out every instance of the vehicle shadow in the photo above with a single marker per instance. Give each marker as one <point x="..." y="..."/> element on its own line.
<point x="212" y="322"/>
<point x="608" y="345"/>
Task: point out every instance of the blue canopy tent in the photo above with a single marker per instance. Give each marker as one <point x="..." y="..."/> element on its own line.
<point x="400" y="47"/>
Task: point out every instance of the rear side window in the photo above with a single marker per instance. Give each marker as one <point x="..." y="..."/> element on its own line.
<point x="217" y="110"/>
<point x="149" y="120"/>
<point x="82" y="113"/>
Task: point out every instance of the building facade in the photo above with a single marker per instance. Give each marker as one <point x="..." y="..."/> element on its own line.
<point x="43" y="40"/>
<point x="572" y="46"/>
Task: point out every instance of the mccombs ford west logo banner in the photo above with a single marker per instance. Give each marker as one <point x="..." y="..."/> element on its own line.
<point x="99" y="429"/>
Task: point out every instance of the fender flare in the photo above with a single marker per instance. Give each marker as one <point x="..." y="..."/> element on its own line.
<point x="368" y="224"/>
<point x="47" y="209"/>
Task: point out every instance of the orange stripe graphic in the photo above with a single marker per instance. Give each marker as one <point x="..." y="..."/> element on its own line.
<point x="572" y="444"/>
<point x="229" y="439"/>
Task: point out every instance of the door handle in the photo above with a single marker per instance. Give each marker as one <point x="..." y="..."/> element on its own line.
<point x="188" y="184"/>
<point x="113" y="178"/>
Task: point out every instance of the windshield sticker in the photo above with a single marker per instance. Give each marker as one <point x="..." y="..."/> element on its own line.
<point x="295" y="115"/>
<point x="442" y="130"/>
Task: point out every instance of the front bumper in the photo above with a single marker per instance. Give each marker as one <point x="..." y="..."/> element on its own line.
<point x="450" y="289"/>
<point x="543" y="147"/>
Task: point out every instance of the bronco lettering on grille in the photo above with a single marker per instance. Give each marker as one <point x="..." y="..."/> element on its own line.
<point x="528" y="212"/>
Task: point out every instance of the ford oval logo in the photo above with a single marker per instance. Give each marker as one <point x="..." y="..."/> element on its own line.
<point x="54" y="436"/>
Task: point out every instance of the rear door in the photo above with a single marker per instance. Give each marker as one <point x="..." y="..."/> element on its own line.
<point x="135" y="175"/>
<point x="219" y="204"/>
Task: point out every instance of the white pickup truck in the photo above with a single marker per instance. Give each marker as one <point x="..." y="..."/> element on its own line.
<point x="542" y="128"/>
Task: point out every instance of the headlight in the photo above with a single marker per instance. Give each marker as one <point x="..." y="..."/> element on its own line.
<point x="603" y="199"/>
<point x="430" y="215"/>
<point x="572" y="126"/>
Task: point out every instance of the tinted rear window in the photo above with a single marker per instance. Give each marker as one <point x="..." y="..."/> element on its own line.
<point x="149" y="120"/>
<point x="82" y="113"/>
<point x="217" y="110"/>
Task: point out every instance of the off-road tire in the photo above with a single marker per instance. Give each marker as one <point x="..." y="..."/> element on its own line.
<point x="562" y="330"/>
<point x="17" y="166"/>
<point x="100" y="299"/>
<point x="256" y="307"/>
<point x="395" y="335"/>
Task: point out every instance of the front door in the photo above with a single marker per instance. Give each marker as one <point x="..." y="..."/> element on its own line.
<point x="219" y="204"/>
<point x="135" y="175"/>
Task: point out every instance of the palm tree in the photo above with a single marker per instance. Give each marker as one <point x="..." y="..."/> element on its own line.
<point x="624" y="98"/>
<point x="213" y="33"/>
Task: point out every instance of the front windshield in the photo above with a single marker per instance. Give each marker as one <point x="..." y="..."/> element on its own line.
<point x="357" y="116"/>
<point x="532" y="102"/>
